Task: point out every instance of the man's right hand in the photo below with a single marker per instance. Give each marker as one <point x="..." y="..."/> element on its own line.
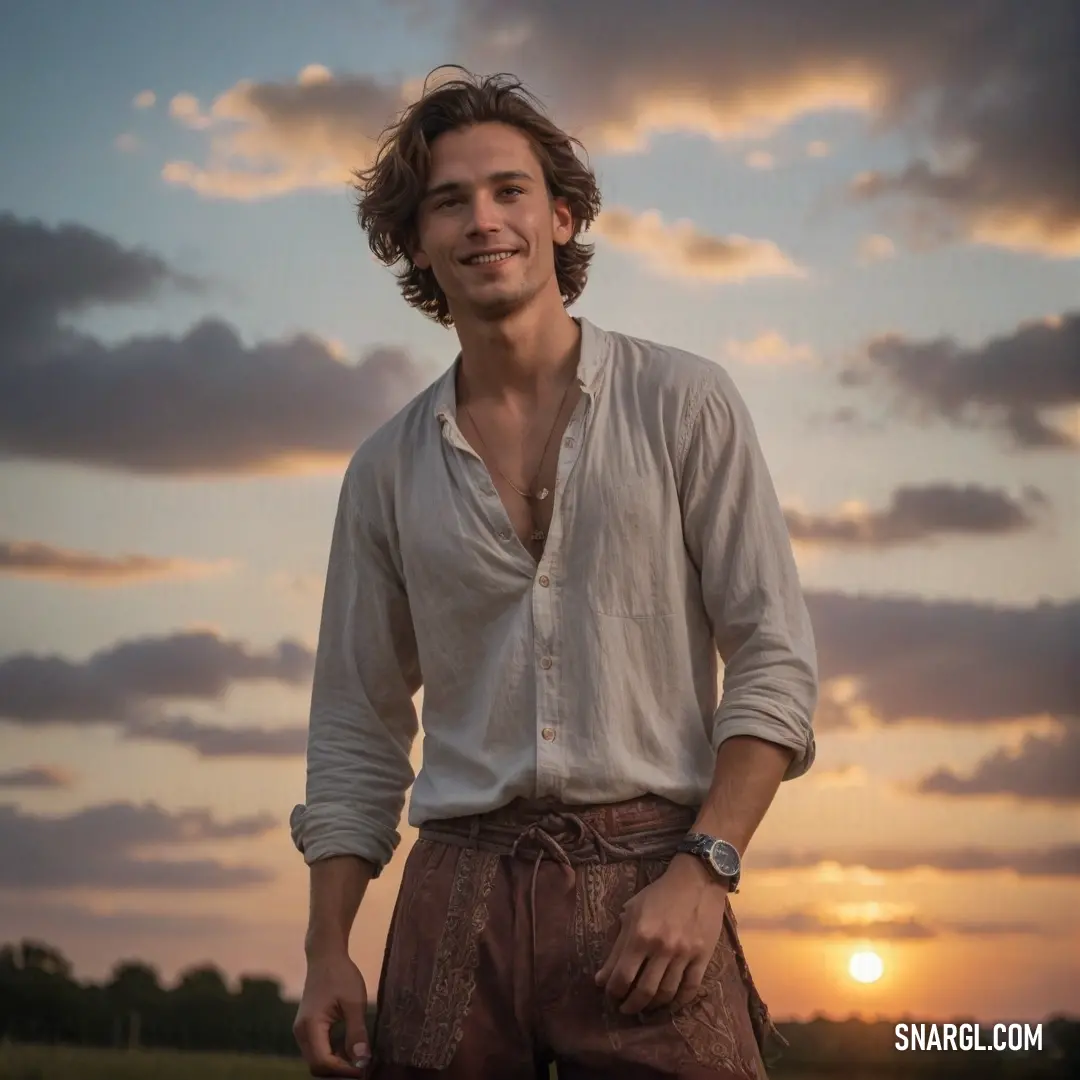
<point x="333" y="990"/>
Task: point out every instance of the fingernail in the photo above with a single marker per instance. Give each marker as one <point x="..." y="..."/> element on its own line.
<point x="361" y="1055"/>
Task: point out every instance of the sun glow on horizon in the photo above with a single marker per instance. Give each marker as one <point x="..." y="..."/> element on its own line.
<point x="865" y="966"/>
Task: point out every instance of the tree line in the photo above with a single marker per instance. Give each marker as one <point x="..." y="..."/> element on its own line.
<point x="42" y="1002"/>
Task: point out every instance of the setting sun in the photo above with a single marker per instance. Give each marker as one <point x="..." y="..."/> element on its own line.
<point x="865" y="967"/>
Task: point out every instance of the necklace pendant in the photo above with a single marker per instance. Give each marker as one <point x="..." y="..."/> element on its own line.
<point x="542" y="494"/>
<point x="538" y="535"/>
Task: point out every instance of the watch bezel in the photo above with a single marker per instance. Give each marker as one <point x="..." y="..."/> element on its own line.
<point x="706" y="848"/>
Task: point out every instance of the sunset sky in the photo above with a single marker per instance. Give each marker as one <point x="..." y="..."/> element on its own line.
<point x="869" y="213"/>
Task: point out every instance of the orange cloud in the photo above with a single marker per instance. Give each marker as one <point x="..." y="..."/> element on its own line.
<point x="269" y="139"/>
<point x="30" y="559"/>
<point x="769" y="347"/>
<point x="681" y="249"/>
<point x="875" y="248"/>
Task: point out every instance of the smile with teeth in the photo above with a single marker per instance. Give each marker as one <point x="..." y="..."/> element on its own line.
<point x="480" y="260"/>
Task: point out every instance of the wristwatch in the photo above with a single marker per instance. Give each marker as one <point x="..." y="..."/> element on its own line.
<point x="718" y="855"/>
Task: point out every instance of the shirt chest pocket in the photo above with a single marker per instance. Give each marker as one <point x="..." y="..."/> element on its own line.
<point x="628" y="565"/>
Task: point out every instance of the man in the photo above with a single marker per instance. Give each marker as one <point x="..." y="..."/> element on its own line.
<point x="555" y="539"/>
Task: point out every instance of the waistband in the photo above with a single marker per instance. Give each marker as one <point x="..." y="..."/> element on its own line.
<point x="649" y="826"/>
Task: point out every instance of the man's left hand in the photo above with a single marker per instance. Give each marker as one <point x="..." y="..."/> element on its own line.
<point x="669" y="934"/>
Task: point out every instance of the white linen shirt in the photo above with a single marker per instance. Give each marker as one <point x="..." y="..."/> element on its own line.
<point x="592" y="676"/>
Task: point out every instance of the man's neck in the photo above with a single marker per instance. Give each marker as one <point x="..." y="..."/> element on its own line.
<point x="523" y="356"/>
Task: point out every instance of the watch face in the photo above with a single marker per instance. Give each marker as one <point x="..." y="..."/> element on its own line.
<point x="725" y="859"/>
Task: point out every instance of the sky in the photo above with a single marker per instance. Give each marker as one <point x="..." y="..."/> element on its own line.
<point x="870" y="218"/>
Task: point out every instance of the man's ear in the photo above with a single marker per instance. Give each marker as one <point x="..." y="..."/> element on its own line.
<point x="416" y="252"/>
<point x="562" y="221"/>
<point x="419" y="257"/>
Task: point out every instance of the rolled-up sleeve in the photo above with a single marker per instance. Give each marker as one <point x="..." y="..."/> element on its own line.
<point x="362" y="720"/>
<point x="738" y="539"/>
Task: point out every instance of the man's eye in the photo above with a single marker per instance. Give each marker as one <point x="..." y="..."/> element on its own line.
<point x="516" y="190"/>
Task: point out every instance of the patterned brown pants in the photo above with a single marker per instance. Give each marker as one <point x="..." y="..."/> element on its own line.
<point x="501" y="922"/>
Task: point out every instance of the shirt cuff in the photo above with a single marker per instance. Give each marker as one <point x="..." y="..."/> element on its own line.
<point x="328" y="829"/>
<point x="801" y="740"/>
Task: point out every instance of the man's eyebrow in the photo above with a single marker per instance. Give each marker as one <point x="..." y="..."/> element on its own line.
<point x="493" y="178"/>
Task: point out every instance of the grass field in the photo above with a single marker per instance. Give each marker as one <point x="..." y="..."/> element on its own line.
<point x="18" y="1062"/>
<point x="78" y="1063"/>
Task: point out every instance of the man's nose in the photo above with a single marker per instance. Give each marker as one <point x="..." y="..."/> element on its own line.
<point x="485" y="216"/>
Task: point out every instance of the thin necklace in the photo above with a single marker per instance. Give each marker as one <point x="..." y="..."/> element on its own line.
<point x="543" y="493"/>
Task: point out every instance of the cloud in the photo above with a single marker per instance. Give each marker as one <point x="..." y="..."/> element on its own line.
<point x="145" y="99"/>
<point x="36" y="777"/>
<point x="813" y="924"/>
<point x="216" y="740"/>
<point x="272" y="138"/>
<point x="120" y="683"/>
<point x="988" y="110"/>
<point x="31" y="559"/>
<point x="1012" y="383"/>
<point x="986" y="95"/>
<point x="115" y="845"/>
<point x="846" y="776"/>
<point x="1044" y="768"/>
<point x="770" y="347"/>
<point x="680" y="249"/>
<point x="950" y="661"/>
<point x="49" y="272"/>
<point x="760" y="159"/>
<point x="875" y="248"/>
<point x="1050" y="862"/>
<point x="270" y="407"/>
<point x="818" y="148"/>
<point x="126" y="143"/>
<point x="919" y="514"/>
<point x="185" y="109"/>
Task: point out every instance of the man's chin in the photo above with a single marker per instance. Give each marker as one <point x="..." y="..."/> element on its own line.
<point x="496" y="306"/>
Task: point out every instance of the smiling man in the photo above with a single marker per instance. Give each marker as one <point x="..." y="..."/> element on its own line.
<point x="558" y="539"/>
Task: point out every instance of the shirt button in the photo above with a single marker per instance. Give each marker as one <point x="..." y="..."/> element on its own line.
<point x="505" y="534"/>
<point x="568" y="443"/>
<point x="545" y="581"/>
<point x="549" y="734"/>
<point x="545" y="662"/>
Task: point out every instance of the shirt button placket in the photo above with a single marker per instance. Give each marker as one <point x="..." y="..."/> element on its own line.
<point x="547" y="692"/>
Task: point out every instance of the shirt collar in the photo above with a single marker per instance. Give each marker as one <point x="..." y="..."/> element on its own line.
<point x="591" y="363"/>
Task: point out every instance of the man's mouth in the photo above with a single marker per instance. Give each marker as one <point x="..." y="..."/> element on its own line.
<point x="489" y="257"/>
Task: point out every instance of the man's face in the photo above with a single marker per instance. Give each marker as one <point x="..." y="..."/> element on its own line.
<point x="487" y="226"/>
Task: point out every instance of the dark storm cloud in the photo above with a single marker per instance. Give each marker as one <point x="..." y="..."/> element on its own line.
<point x="217" y="741"/>
<point x="1011" y="382"/>
<point x="137" y="405"/>
<point x="916" y="514"/>
<point x="955" y="662"/>
<point x="116" y="846"/>
<point x="35" y="777"/>
<point x="986" y="91"/>
<point x="1042" y="769"/>
<point x="1052" y="862"/>
<point x="118" y="683"/>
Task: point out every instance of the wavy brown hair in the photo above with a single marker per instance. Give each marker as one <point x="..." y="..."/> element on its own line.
<point x="390" y="191"/>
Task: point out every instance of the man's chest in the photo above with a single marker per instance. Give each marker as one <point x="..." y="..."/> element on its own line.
<point x="610" y="518"/>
